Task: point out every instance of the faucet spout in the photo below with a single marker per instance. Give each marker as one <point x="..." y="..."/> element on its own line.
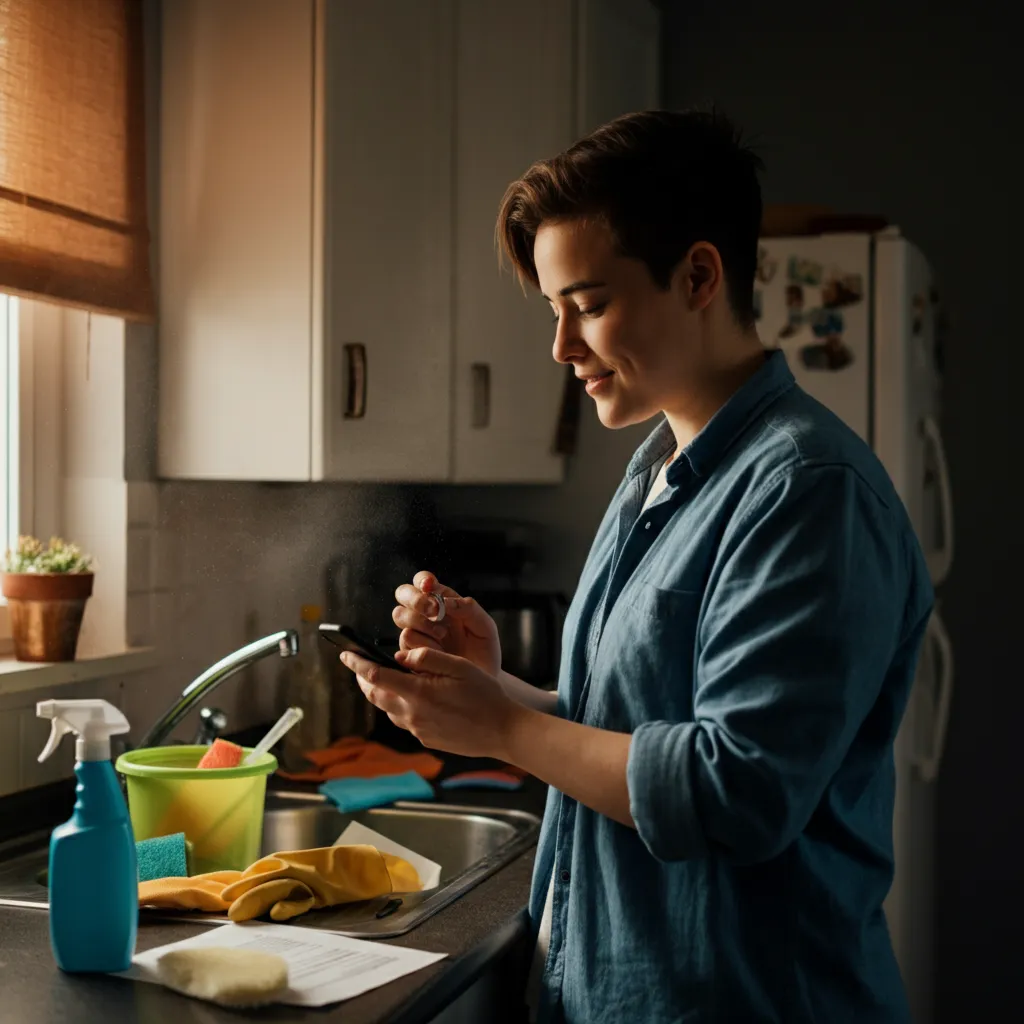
<point x="285" y="643"/>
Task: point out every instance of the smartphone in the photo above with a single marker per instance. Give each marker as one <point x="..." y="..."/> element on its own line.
<point x="348" y="639"/>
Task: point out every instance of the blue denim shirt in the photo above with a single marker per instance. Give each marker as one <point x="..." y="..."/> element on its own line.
<point x="756" y="630"/>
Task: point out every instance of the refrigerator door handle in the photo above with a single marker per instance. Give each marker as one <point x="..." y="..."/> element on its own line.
<point x="940" y="560"/>
<point x="928" y="762"/>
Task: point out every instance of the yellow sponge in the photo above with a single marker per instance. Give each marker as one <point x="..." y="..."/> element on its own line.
<point x="230" y="977"/>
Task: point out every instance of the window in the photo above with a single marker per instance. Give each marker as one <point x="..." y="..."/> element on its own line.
<point x="73" y="238"/>
<point x="29" y="484"/>
<point x="62" y="444"/>
<point x="9" y="433"/>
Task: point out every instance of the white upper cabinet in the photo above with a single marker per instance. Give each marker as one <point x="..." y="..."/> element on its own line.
<point x="236" y="240"/>
<point x="306" y="220"/>
<point x="518" y="109"/>
<point x="387" y="282"/>
<point x="331" y="170"/>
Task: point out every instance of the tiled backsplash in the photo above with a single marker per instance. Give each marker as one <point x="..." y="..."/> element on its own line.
<point x="213" y="566"/>
<point x="23" y="735"/>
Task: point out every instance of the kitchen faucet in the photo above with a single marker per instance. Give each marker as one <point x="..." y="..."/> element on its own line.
<point x="285" y="643"/>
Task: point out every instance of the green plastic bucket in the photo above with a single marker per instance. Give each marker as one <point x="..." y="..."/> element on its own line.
<point x="220" y="810"/>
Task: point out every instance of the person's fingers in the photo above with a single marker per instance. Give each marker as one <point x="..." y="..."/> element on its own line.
<point x="406" y="618"/>
<point x="430" y="584"/>
<point x="377" y="676"/>
<point x="470" y="614"/>
<point x="381" y="697"/>
<point x="415" y="600"/>
<point x="424" y="580"/>
<point x="433" y="662"/>
<point x="410" y="639"/>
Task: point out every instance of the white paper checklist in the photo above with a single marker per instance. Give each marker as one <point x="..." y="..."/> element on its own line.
<point x="358" y="835"/>
<point x="322" y="967"/>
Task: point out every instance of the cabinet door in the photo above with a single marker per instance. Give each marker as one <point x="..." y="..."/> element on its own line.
<point x="235" y="239"/>
<point x="387" y="239"/>
<point x="619" y="66"/>
<point x="514" y="105"/>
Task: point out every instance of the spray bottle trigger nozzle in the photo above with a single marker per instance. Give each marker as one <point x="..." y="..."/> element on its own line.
<point x="58" y="730"/>
<point x="92" y="721"/>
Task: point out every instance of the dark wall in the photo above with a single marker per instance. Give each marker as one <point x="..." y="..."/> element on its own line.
<point x="873" y="107"/>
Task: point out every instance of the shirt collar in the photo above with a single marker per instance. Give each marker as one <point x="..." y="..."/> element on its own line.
<point x="706" y="450"/>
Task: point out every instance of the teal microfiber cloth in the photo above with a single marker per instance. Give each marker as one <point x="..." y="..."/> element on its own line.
<point x="163" y="857"/>
<point x="358" y="794"/>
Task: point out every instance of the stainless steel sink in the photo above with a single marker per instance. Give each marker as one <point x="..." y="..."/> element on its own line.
<point x="470" y="843"/>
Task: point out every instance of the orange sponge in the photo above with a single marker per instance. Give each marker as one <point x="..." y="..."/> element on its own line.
<point x="222" y="754"/>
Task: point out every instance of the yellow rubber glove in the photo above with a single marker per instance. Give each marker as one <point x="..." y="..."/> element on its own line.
<point x="200" y="892"/>
<point x="287" y="884"/>
<point x="290" y="883"/>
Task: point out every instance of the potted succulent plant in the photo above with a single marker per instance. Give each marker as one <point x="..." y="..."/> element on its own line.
<point x="46" y="587"/>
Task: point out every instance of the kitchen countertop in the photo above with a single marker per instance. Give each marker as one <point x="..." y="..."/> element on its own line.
<point x="486" y="924"/>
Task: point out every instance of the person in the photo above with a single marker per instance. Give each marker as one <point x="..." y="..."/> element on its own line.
<point x="717" y="841"/>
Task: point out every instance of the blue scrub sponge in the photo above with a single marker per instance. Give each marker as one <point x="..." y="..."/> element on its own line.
<point x="163" y="857"/>
<point x="358" y="794"/>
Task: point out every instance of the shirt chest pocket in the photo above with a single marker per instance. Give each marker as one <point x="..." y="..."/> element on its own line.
<point x="644" y="669"/>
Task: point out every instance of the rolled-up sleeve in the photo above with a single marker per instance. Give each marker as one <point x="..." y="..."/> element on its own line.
<point x="806" y="607"/>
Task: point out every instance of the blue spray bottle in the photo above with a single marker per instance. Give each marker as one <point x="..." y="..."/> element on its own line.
<point x="94" y="879"/>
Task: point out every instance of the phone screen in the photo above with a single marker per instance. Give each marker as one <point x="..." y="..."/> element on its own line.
<point x="347" y="639"/>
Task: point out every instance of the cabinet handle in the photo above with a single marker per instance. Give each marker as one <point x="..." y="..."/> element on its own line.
<point x="355" y="382"/>
<point x="481" y="394"/>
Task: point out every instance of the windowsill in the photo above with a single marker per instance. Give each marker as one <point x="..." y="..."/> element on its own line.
<point x="19" y="676"/>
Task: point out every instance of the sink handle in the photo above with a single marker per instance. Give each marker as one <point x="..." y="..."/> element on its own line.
<point x="212" y="722"/>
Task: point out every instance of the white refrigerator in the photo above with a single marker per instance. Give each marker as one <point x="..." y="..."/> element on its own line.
<point x="857" y="316"/>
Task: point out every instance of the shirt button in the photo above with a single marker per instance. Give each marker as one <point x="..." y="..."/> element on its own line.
<point x="647" y="525"/>
<point x="564" y="876"/>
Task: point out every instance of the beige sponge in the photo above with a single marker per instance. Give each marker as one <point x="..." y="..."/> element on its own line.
<point x="230" y="977"/>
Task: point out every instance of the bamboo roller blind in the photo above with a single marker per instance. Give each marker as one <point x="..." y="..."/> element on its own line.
<point x="72" y="155"/>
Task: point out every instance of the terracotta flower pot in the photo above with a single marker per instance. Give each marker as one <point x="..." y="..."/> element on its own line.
<point x="46" y="613"/>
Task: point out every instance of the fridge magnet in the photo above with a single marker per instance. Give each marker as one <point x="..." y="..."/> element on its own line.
<point x="842" y="290"/>
<point x="757" y="305"/>
<point x="830" y="354"/>
<point x="766" y="265"/>
<point x="826" y="323"/>
<point x="794" y="310"/>
<point x="803" y="271"/>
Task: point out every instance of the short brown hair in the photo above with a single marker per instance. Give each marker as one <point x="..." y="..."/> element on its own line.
<point x="661" y="180"/>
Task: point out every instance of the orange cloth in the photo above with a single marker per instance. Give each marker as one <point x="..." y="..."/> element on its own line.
<point x="355" y="758"/>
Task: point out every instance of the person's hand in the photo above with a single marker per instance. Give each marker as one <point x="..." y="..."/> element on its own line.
<point x="466" y="631"/>
<point x="448" y="703"/>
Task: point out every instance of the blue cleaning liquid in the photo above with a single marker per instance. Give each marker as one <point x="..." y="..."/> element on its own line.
<point x="94" y="880"/>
